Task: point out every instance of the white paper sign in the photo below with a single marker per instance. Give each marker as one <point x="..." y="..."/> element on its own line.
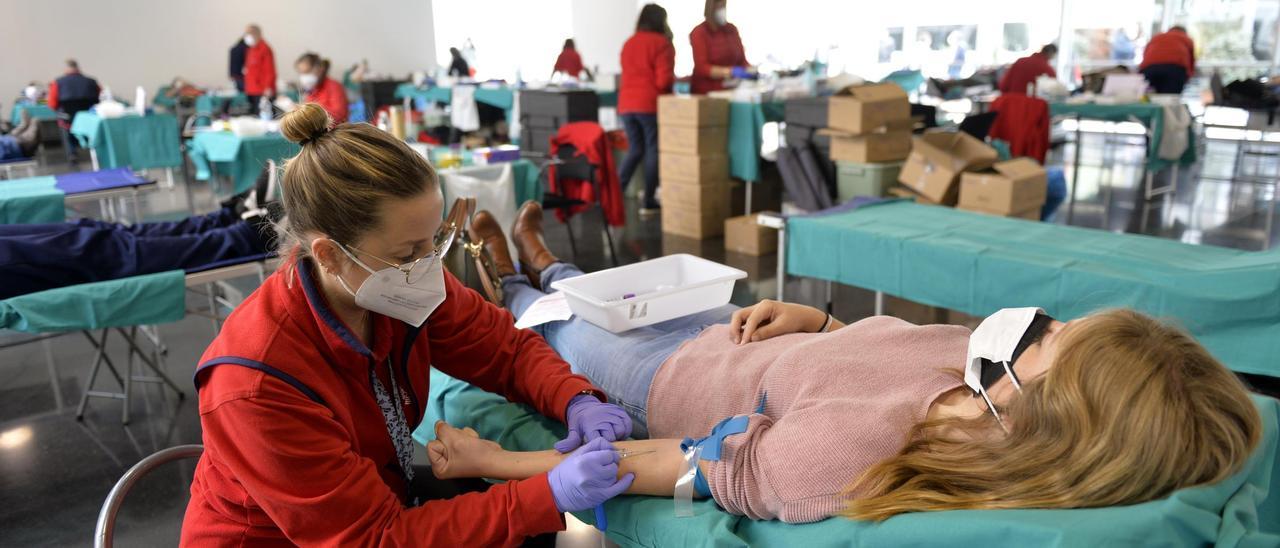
<point x="550" y="308"/>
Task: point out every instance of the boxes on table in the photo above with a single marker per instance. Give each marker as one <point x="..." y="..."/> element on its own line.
<point x="1015" y="188"/>
<point x="862" y="179"/>
<point x="867" y="108"/>
<point x="542" y="112"/>
<point x="936" y="161"/>
<point x="744" y="235"/>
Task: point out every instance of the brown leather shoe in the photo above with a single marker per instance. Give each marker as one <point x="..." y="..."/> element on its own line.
<point x="530" y="245"/>
<point x="488" y="247"/>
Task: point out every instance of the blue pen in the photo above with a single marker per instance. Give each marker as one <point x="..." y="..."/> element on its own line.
<point x="602" y="521"/>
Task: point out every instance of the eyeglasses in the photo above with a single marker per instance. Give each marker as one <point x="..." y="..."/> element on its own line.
<point x="441" y="243"/>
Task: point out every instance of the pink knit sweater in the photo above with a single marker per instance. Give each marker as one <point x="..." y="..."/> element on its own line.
<point x="836" y="404"/>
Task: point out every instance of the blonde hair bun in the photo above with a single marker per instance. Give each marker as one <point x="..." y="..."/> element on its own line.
<point x="306" y="123"/>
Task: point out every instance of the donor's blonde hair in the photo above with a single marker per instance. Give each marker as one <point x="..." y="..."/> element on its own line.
<point x="1131" y="410"/>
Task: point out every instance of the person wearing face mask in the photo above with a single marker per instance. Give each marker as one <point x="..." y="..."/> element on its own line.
<point x="799" y="417"/>
<point x="717" y="51"/>
<point x="259" y="68"/>
<point x="313" y="77"/>
<point x="309" y="393"/>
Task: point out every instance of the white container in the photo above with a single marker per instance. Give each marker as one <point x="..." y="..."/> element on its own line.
<point x="664" y="288"/>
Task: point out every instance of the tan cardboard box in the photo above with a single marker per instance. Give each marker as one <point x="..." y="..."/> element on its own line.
<point x="936" y="161"/>
<point x="1017" y="185"/>
<point x="692" y="110"/>
<point x="904" y="192"/>
<point x="1030" y="214"/>
<point x="693" y="223"/>
<point x="706" y="140"/>
<point x="712" y="197"/>
<point x="865" y="108"/>
<point x="887" y="146"/>
<point x="744" y="235"/>
<point x="693" y="168"/>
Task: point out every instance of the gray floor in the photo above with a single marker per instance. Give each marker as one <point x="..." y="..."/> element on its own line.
<point x="55" y="470"/>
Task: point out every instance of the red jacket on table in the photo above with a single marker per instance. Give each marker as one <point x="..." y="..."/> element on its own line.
<point x="333" y="97"/>
<point x="569" y="62"/>
<point x="260" y="70"/>
<point x="1024" y="72"/>
<point x="721" y="47"/>
<point x="648" y="70"/>
<point x="1023" y="122"/>
<point x="591" y="141"/>
<point x="1170" y="48"/>
<point x="296" y="449"/>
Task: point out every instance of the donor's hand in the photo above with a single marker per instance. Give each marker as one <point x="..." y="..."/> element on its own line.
<point x="459" y="453"/>
<point x="770" y="319"/>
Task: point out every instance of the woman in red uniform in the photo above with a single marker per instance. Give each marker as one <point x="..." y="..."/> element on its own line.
<point x="308" y="395"/>
<point x="313" y="75"/>
<point x="717" y="51"/>
<point x="648" y="70"/>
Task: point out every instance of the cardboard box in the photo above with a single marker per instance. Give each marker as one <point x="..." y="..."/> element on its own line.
<point x="693" y="168"/>
<point x="712" y="197"/>
<point x="936" y="161"/>
<point x="693" y="223"/>
<point x="1018" y="185"/>
<point x="863" y="109"/>
<point x="1030" y="214"/>
<point x="744" y="235"/>
<point x="709" y="140"/>
<point x="888" y="146"/>
<point x="899" y="191"/>
<point x="692" y="111"/>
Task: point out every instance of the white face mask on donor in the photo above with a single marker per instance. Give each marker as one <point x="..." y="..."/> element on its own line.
<point x="993" y="344"/>
<point x="249" y="40"/>
<point x="308" y="81"/>
<point x="390" y="293"/>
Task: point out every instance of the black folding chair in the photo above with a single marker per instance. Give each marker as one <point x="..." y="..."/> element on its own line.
<point x="573" y="166"/>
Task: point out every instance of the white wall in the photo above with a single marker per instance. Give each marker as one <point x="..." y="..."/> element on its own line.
<point x="147" y="42"/>
<point x="600" y="27"/>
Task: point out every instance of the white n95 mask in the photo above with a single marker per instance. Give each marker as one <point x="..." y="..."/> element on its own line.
<point x="308" y="81"/>
<point x="32" y="93"/>
<point x="995" y="345"/>
<point x="390" y="293"/>
<point x="249" y="40"/>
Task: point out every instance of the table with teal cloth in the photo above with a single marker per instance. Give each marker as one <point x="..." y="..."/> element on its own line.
<point x="38" y="112"/>
<point x="137" y="300"/>
<point x="1243" y="510"/>
<point x="746" y="134"/>
<point x="976" y="264"/>
<point x="240" y="158"/>
<point x="138" y="142"/>
<point x="33" y="200"/>
<point x="1147" y="114"/>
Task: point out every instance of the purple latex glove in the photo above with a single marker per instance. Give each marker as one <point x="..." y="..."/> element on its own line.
<point x="589" y="418"/>
<point x="742" y="73"/>
<point x="587" y="477"/>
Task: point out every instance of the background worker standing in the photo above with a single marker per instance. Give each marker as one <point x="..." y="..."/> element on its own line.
<point x="259" y="68"/>
<point x="717" y="51"/>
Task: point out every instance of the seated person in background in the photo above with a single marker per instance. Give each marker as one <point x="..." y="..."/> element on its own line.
<point x="21" y="142"/>
<point x="48" y="256"/>
<point x="1169" y="60"/>
<point x="800" y="417"/>
<point x="182" y="89"/>
<point x="313" y="76"/>
<point x="1023" y="72"/>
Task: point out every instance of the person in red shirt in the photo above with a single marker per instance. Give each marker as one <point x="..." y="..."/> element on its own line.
<point x="313" y="76"/>
<point x="569" y="62"/>
<point x="259" y="68"/>
<point x="717" y="51"/>
<point x="1023" y="72"/>
<point x="648" y="70"/>
<point x="308" y="395"/>
<point x="1169" y="60"/>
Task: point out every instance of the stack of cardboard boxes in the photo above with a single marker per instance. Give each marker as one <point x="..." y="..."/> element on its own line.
<point x="870" y="131"/>
<point x="955" y="169"/>
<point x="693" y="137"/>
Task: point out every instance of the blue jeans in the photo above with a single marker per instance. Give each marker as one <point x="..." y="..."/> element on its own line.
<point x="642" y="140"/>
<point x="620" y="364"/>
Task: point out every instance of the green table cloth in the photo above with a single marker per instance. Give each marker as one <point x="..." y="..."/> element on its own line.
<point x="240" y="158"/>
<point x="33" y="200"/>
<point x="608" y="98"/>
<point x="746" y="123"/>
<point x="138" y="300"/>
<point x="38" y="112"/>
<point x="138" y="142"/>
<point x="976" y="264"/>
<point x="1147" y="114"/>
<point x="1243" y="510"/>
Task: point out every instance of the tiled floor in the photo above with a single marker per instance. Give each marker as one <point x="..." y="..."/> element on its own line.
<point x="55" y="470"/>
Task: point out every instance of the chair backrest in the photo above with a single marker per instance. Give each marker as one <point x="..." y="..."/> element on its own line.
<point x="104" y="532"/>
<point x="573" y="165"/>
<point x="979" y="125"/>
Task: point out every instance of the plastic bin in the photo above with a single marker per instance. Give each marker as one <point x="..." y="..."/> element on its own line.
<point x="855" y="179"/>
<point x="664" y="288"/>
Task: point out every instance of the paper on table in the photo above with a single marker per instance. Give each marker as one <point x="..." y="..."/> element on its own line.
<point x="550" y="308"/>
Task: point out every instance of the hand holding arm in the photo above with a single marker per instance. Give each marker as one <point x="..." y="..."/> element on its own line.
<point x="770" y="319"/>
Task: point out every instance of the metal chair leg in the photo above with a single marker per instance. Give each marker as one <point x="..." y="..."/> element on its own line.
<point x="573" y="245"/>
<point x="608" y="236"/>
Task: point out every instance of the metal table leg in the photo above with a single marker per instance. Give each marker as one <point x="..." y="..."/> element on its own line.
<point x="1075" y="174"/>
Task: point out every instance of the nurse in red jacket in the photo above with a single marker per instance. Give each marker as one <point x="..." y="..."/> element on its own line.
<point x="259" y="67"/>
<point x="717" y="51"/>
<point x="313" y="76"/>
<point x="308" y="395"/>
<point x="648" y="70"/>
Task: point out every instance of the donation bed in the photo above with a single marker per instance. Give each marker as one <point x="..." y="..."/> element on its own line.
<point x="35" y="200"/>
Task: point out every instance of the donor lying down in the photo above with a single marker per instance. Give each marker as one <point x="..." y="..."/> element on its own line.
<point x="800" y="417"/>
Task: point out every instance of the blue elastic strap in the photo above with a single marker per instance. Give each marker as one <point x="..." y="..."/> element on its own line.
<point x="711" y="445"/>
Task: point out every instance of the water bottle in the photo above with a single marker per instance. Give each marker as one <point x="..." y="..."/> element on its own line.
<point x="264" y="109"/>
<point x="105" y="96"/>
<point x="140" y="101"/>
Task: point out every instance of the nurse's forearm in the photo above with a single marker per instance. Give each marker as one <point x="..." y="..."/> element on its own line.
<point x="655" y="472"/>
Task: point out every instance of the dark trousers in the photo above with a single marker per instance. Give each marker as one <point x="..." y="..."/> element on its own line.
<point x="47" y="256"/>
<point x="253" y="103"/>
<point x="642" y="137"/>
<point x="1166" y="78"/>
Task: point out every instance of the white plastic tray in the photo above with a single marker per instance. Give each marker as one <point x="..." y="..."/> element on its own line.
<point x="664" y="288"/>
